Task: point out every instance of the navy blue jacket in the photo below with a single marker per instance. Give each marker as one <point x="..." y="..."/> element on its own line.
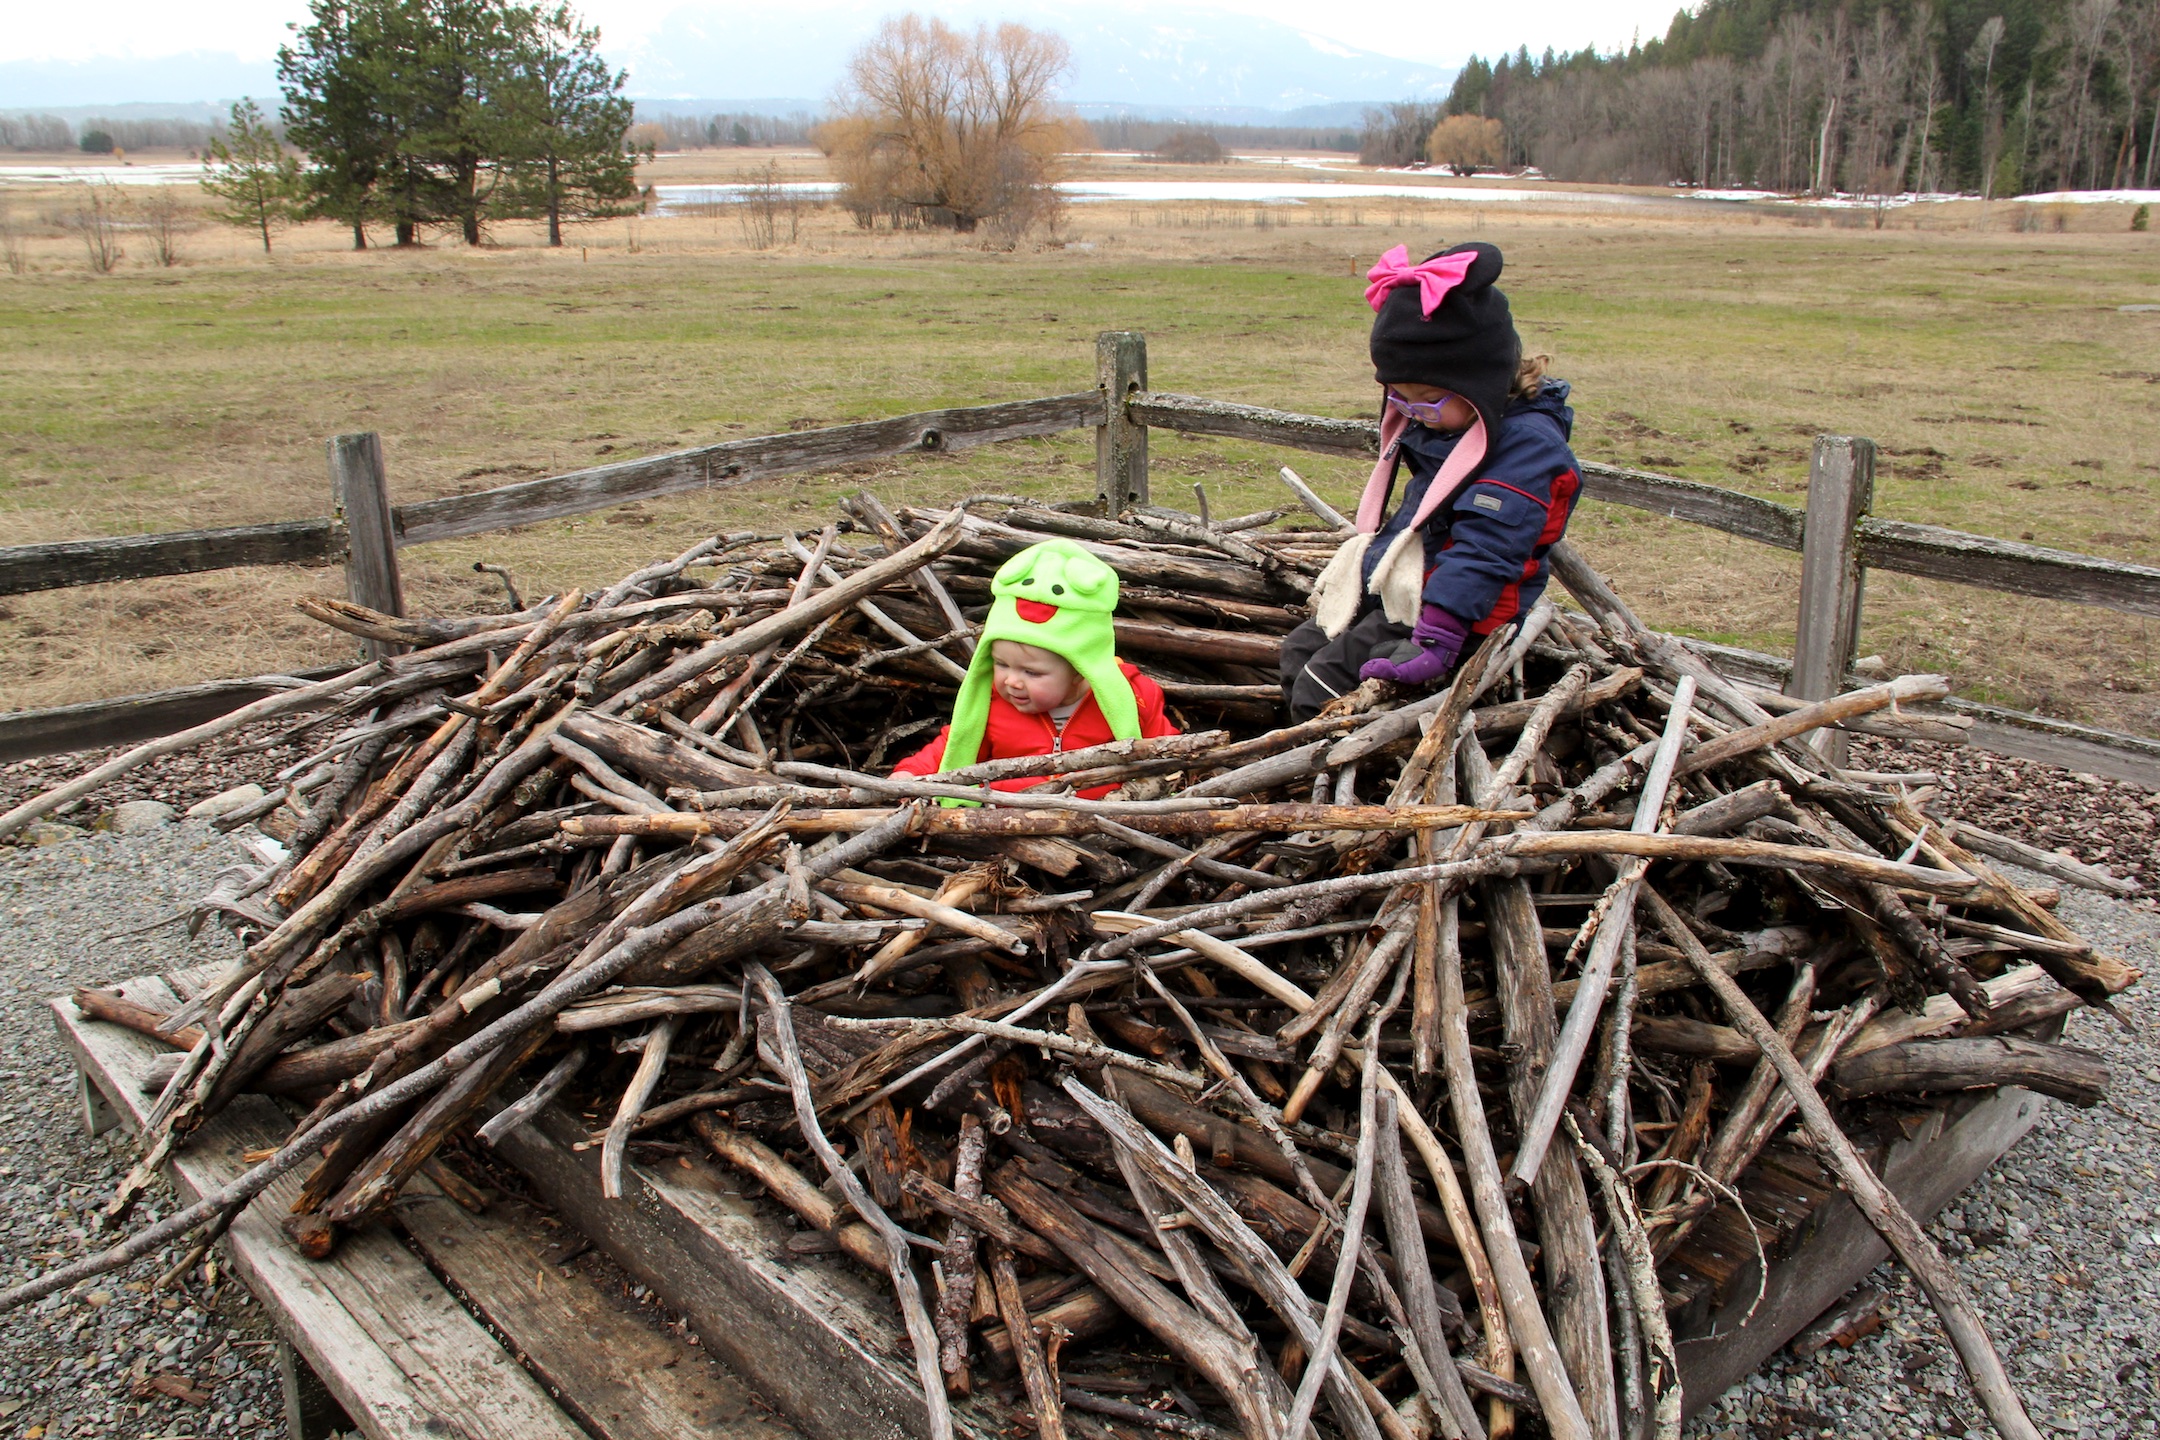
<point x="1485" y="552"/>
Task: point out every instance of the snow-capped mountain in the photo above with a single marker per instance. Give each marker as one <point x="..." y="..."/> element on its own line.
<point x="1159" y="57"/>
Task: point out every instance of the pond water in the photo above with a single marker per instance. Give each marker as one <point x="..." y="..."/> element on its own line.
<point x="1232" y="192"/>
<point x="118" y="174"/>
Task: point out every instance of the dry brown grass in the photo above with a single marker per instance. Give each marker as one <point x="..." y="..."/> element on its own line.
<point x="2010" y="395"/>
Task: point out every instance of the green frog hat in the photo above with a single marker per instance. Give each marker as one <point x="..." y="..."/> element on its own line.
<point x="1057" y="596"/>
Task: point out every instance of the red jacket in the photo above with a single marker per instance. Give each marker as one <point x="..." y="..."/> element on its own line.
<point x="1007" y="733"/>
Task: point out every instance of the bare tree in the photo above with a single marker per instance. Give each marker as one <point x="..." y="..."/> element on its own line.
<point x="165" y="219"/>
<point x="950" y="129"/>
<point x="1982" y="53"/>
<point x="769" y="212"/>
<point x="96" y="221"/>
<point x="2085" y="26"/>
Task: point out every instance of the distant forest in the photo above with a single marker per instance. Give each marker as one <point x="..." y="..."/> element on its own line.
<point x="1987" y="96"/>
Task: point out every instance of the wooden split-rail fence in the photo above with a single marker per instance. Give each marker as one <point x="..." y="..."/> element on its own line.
<point x="1837" y="538"/>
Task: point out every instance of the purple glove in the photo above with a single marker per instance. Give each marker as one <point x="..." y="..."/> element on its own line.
<point x="1434" y="642"/>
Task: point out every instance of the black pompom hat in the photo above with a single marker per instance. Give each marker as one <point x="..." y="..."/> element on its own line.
<point x="1465" y="343"/>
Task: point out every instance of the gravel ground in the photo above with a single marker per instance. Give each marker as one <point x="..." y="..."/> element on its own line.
<point x="2059" y="1241"/>
<point x="251" y="753"/>
<point x="72" y="1365"/>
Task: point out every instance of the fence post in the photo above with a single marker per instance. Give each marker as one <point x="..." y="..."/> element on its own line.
<point x="1121" y="478"/>
<point x="362" y="496"/>
<point x="1841" y="488"/>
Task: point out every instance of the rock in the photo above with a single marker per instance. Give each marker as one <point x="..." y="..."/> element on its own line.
<point x="133" y="817"/>
<point x="225" y="802"/>
<point x="51" y="832"/>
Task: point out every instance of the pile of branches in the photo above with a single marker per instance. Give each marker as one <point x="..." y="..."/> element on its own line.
<point x="1371" y="1067"/>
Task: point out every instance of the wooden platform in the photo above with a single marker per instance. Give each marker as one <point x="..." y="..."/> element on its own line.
<point x="454" y="1325"/>
<point x="463" y="1325"/>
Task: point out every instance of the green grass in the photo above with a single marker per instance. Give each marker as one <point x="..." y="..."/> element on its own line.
<point x="148" y="401"/>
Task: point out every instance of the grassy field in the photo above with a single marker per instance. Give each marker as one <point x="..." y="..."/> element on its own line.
<point x="2010" y="395"/>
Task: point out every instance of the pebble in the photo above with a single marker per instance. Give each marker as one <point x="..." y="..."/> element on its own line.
<point x="132" y="817"/>
<point x="2058" y="1244"/>
<point x="226" y="801"/>
<point x="71" y="1364"/>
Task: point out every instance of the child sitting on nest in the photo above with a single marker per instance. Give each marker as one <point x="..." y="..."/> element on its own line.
<point x="1484" y="436"/>
<point x="1045" y="677"/>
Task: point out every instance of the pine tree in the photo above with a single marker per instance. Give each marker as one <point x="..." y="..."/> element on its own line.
<point x="249" y="170"/>
<point x="561" y="119"/>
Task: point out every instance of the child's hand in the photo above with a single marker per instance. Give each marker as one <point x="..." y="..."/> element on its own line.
<point x="1438" y="636"/>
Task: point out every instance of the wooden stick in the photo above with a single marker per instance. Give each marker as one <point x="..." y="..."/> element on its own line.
<point x="1043" y="1396"/>
<point x="906" y="902"/>
<point x="899" y="1264"/>
<point x="1398" y="1212"/>
<point x="958" y="1299"/>
<point x="1041" y="1039"/>
<point x="305" y="697"/>
<point x="1321" y="1355"/>
<point x="954" y="893"/>
<point x="1311" y="500"/>
<point x="1948" y="884"/>
<point x="635" y="945"/>
<point x="1645" y="1294"/>
<point x="1232" y="1235"/>
<point x="796" y="618"/>
<point x="1583" y="1010"/>
<point x="522" y="1111"/>
<point x="1018" y="814"/>
<point x="1113" y="1266"/>
<point x="1526" y="1325"/>
<point x="642" y="1084"/>
<point x="1814" y="717"/>
<point x="1968" y="1334"/>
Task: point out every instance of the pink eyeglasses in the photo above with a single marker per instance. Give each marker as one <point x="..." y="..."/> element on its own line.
<point x="1424" y="412"/>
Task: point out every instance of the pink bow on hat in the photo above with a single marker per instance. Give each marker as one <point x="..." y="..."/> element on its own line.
<point x="1434" y="277"/>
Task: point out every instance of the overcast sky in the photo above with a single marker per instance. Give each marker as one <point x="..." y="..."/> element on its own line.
<point x="1442" y="34"/>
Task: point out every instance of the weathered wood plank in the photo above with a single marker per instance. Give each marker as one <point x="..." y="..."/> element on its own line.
<point x="395" y="1350"/>
<point x="361" y="492"/>
<point x="621" y="1377"/>
<point x="1221" y="646"/>
<point x="1121" y="458"/>
<point x="740" y="462"/>
<point x="1840" y="1247"/>
<point x="59" y="564"/>
<point x="1995" y="728"/>
<point x="127" y="718"/>
<point x="820" y="1341"/>
<point x="2020" y="569"/>
<point x="2061" y="742"/>
<point x="1731" y="511"/>
<point x="1194" y="415"/>
<point x="1841" y="487"/>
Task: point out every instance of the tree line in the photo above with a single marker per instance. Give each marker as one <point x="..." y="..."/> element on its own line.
<point x="419" y="114"/>
<point x="677" y="130"/>
<point x="97" y="135"/>
<point x="1871" y="96"/>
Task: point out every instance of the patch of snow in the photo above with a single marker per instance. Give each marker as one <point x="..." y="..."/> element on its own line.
<point x="2093" y="197"/>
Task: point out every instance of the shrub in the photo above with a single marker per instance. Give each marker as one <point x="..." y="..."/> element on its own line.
<point x="96" y="142"/>
<point x="1465" y="142"/>
<point x="1190" y="147"/>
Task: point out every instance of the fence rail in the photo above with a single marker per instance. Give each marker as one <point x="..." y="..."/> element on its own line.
<point x="1835" y="536"/>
